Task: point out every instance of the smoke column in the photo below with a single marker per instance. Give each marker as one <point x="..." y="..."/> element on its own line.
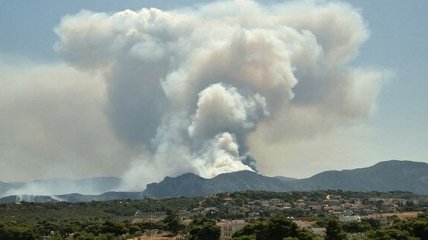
<point x="186" y="88"/>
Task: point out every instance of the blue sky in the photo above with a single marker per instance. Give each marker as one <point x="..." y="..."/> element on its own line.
<point x="396" y="45"/>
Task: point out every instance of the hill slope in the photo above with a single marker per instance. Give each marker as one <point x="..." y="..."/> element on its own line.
<point x="385" y="176"/>
<point x="193" y="185"/>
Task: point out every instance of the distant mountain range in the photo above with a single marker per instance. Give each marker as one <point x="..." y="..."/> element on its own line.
<point x="385" y="176"/>
<point x="72" y="197"/>
<point x="95" y="185"/>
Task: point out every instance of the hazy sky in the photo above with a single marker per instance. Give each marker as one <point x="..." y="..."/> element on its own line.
<point x="62" y="112"/>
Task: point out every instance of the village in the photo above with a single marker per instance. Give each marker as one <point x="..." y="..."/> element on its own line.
<point x="233" y="211"/>
<point x="259" y="215"/>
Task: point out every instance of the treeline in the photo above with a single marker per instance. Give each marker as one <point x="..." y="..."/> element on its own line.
<point x="27" y="212"/>
<point x="107" y="229"/>
<point x="410" y="229"/>
<point x="277" y="227"/>
<point x="198" y="229"/>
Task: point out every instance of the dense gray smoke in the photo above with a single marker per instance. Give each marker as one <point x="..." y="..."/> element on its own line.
<point x="186" y="88"/>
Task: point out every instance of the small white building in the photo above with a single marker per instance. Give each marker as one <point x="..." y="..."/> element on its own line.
<point x="349" y="218"/>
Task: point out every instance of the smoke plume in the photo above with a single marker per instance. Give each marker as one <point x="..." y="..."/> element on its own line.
<point x="192" y="89"/>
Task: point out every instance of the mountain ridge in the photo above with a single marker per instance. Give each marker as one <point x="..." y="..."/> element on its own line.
<point x="383" y="176"/>
<point x="393" y="175"/>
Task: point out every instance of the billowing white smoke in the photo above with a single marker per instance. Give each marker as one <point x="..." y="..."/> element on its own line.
<point x="188" y="87"/>
<point x="221" y="109"/>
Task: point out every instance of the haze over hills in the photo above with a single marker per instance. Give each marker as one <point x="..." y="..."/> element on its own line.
<point x="384" y="176"/>
<point x="56" y="186"/>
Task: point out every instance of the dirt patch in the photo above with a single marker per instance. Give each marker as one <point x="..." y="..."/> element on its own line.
<point x="401" y="215"/>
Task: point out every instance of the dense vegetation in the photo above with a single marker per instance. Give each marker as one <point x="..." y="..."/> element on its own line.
<point x="411" y="229"/>
<point x="277" y="227"/>
<point x="26" y="212"/>
<point x="129" y="218"/>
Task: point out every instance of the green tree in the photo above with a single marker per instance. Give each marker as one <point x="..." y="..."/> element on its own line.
<point x="374" y="223"/>
<point x="56" y="236"/>
<point x="280" y="227"/>
<point x="334" y="230"/>
<point x="420" y="229"/>
<point x="113" y="227"/>
<point x="246" y="237"/>
<point x="12" y="232"/>
<point x="204" y="229"/>
<point x="276" y="228"/>
<point x="304" y="234"/>
<point x="356" y="227"/>
<point x="390" y="234"/>
<point x="172" y="221"/>
<point x="417" y="227"/>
